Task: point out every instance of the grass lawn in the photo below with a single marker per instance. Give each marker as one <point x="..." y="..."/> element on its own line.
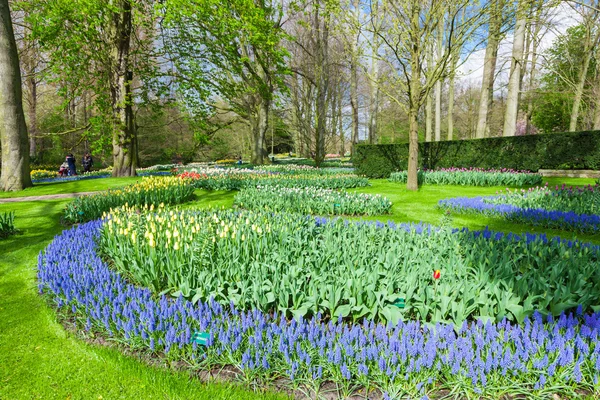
<point x="419" y="206"/>
<point x="85" y="185"/>
<point x="39" y="359"/>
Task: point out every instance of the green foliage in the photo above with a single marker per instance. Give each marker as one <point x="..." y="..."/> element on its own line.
<point x="7" y="224"/>
<point x="470" y="177"/>
<point x="292" y="264"/>
<point x="231" y="49"/>
<point x="571" y="150"/>
<point x="312" y="201"/>
<point x="150" y="191"/>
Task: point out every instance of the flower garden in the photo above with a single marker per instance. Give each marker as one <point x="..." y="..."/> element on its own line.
<point x="286" y="289"/>
<point x="571" y="209"/>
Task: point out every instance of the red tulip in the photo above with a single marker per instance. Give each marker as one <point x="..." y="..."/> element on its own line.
<point x="436" y="274"/>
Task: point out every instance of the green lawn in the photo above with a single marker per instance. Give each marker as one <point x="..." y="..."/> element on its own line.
<point x="85" y="185"/>
<point x="39" y="359"/>
<point x="418" y="206"/>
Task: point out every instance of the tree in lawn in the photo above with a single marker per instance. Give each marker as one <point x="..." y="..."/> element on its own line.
<point x="230" y="51"/>
<point x="409" y="29"/>
<point x="13" y="131"/>
<point x="99" y="46"/>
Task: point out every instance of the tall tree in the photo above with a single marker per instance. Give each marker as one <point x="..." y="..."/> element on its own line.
<point x="514" y="79"/>
<point x="354" y="65"/>
<point x="591" y="41"/>
<point x="13" y="131"/>
<point x="489" y="66"/>
<point x="374" y="94"/>
<point x="438" y="84"/>
<point x="230" y="50"/>
<point x="409" y="31"/>
<point x="101" y="33"/>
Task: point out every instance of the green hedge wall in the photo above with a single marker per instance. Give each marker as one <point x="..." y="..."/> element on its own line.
<point x="571" y="150"/>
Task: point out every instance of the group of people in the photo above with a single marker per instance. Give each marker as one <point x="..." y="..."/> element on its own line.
<point x="67" y="168"/>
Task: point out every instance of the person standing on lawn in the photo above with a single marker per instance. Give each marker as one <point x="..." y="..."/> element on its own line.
<point x="87" y="162"/>
<point x="71" y="161"/>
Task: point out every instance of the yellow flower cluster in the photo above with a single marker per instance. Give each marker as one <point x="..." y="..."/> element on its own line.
<point x="176" y="230"/>
<point x="42" y="173"/>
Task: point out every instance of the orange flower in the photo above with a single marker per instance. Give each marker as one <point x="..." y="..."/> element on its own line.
<point x="436" y="274"/>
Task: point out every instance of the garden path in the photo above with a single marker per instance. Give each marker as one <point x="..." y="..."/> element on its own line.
<point x="46" y="197"/>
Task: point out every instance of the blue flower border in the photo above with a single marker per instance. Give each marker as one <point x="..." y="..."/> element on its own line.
<point x="534" y="216"/>
<point x="409" y="358"/>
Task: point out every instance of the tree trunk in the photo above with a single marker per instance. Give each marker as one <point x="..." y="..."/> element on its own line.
<point x="590" y="43"/>
<point x="533" y="68"/>
<point x="354" y="101"/>
<point x="259" y="120"/>
<point x="124" y="139"/>
<point x="341" y="125"/>
<point x="451" y="103"/>
<point x="512" y="97"/>
<point x="413" y="149"/>
<point x="429" y="102"/>
<point x="32" y="111"/>
<point x="13" y="131"/>
<point x="322" y="80"/>
<point x="374" y="101"/>
<point x="489" y="71"/>
<point x="354" y="80"/>
<point x="414" y="99"/>
<point x="438" y="86"/>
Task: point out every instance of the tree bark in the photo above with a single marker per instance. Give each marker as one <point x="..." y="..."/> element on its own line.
<point x="489" y="70"/>
<point x="414" y="94"/>
<point x="429" y="103"/>
<point x="354" y="80"/>
<point x="259" y="120"/>
<point x="13" y="130"/>
<point x="374" y="101"/>
<point x="512" y="97"/>
<point x="533" y="68"/>
<point x="124" y="139"/>
<point x="438" y="85"/>
<point x="340" y="122"/>
<point x="322" y="80"/>
<point x="451" y="103"/>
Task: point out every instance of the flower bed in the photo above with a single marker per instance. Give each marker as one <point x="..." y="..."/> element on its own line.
<point x="96" y="175"/>
<point x="580" y="200"/>
<point x="240" y="179"/>
<point x="472" y="177"/>
<point x="151" y="190"/>
<point x="304" y="169"/>
<point x="37" y="174"/>
<point x="290" y="264"/>
<point x="538" y="207"/>
<point x="312" y="201"/>
<point x="538" y="358"/>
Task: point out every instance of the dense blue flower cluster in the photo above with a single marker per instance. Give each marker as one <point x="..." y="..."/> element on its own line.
<point x="546" y="355"/>
<point x="534" y="216"/>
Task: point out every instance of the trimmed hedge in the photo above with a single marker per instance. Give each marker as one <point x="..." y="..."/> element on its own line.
<point x="570" y="150"/>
